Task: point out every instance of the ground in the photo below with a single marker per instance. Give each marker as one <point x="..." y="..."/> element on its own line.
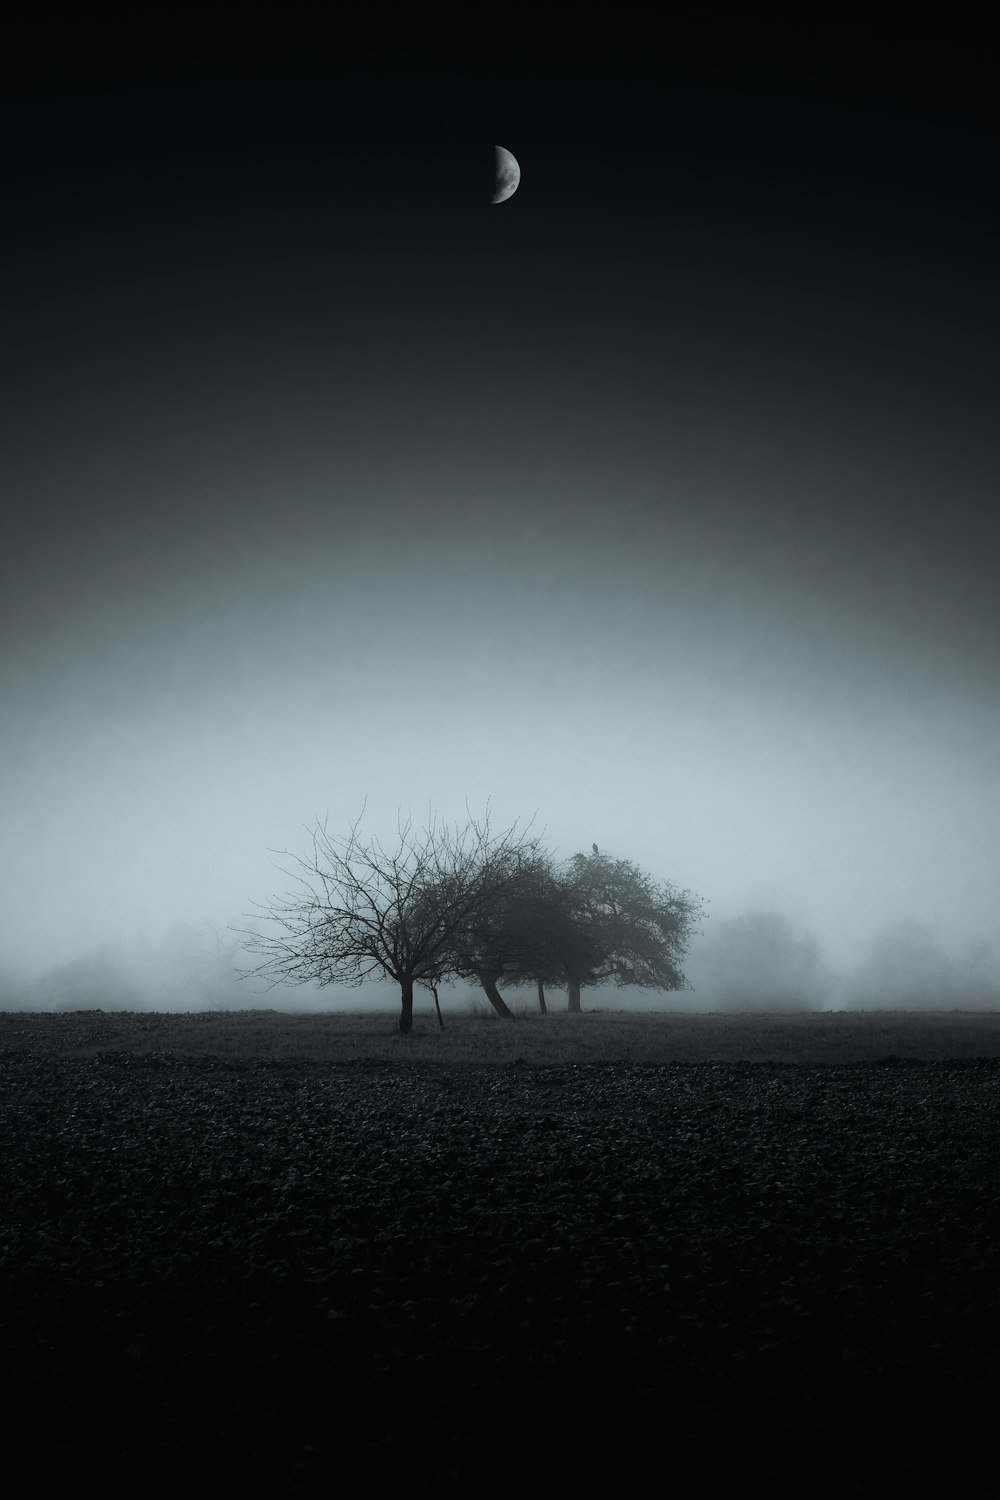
<point x="269" y="1271"/>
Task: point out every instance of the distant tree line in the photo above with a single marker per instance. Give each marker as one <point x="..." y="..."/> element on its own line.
<point x="465" y="902"/>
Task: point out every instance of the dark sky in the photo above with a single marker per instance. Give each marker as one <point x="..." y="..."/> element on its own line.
<point x="659" y="500"/>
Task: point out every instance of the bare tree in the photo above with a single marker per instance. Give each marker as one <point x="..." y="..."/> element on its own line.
<point x="358" y="909"/>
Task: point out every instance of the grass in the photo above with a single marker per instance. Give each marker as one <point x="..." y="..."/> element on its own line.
<point x="480" y="1037"/>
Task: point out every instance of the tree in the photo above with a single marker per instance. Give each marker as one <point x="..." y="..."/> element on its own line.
<point x="620" y="924"/>
<point x="196" y="962"/>
<point x="595" y="919"/>
<point x="905" y="966"/>
<point x="358" y="908"/>
<point x="510" y="938"/>
<point x="755" y="962"/>
<point x="978" y="975"/>
<point x="98" y="980"/>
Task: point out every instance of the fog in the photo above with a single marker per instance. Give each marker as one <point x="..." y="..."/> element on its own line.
<point x="752" y="963"/>
<point x="666" y="522"/>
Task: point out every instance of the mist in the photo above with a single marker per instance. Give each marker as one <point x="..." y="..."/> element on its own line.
<point x="665" y="519"/>
<point x="755" y="962"/>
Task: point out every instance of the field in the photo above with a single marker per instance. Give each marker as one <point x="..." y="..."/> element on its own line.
<point x="279" y="1250"/>
<point x="479" y="1036"/>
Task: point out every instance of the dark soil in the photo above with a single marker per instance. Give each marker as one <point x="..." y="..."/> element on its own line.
<point x="472" y="1280"/>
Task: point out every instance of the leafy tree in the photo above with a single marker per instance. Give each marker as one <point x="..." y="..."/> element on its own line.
<point x="978" y="976"/>
<point x="755" y="962"/>
<point x="620" y="924"/>
<point x="595" y="919"/>
<point x="512" y="938"/>
<point x="98" y="980"/>
<point x="906" y="966"/>
<point x="358" y="908"/>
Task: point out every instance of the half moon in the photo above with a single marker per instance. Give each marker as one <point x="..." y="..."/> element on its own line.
<point x="508" y="175"/>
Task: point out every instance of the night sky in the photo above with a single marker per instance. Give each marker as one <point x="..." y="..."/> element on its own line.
<point x="658" y="501"/>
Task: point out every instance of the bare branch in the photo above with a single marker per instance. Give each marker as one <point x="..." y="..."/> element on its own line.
<point x="355" y="908"/>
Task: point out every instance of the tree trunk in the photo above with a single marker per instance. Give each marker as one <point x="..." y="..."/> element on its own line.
<point x="541" y="997"/>
<point x="437" y="1005"/>
<point x="499" y="1004"/>
<point x="406" y="1015"/>
<point x="574" y="996"/>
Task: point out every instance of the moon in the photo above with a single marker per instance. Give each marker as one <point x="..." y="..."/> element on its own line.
<point x="508" y="175"/>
